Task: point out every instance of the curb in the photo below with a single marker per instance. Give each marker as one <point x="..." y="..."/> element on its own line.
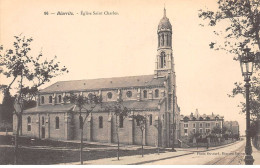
<point x="150" y="161"/>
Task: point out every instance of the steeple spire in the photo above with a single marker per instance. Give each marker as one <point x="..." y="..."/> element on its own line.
<point x="164" y="11"/>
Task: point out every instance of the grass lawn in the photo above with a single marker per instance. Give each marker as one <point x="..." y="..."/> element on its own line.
<point x="45" y="156"/>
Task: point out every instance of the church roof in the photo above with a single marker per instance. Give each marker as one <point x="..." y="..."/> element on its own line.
<point x="164" y="23"/>
<point x="104" y="83"/>
<point x="131" y="105"/>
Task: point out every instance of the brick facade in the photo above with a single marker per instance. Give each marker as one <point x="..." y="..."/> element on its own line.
<point x="154" y="95"/>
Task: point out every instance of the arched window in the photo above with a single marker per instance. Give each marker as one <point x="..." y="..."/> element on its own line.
<point x="129" y="94"/>
<point x="167" y="43"/>
<point x="50" y="99"/>
<point x="100" y="118"/>
<point x="59" y="97"/>
<point x="121" y="121"/>
<point x="57" y="121"/>
<point x="162" y="39"/>
<point x="162" y="60"/>
<point x="151" y="119"/>
<point x="80" y="122"/>
<point x="145" y="93"/>
<point x="29" y="122"/>
<point x="43" y="122"/>
<point x="156" y="94"/>
<point x="109" y="95"/>
<point x="42" y="100"/>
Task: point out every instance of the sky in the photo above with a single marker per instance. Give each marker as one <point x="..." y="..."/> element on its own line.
<point x="103" y="46"/>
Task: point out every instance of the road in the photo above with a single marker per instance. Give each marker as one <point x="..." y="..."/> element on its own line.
<point x="230" y="155"/>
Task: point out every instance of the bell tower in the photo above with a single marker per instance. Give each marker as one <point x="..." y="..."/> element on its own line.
<point x="164" y="57"/>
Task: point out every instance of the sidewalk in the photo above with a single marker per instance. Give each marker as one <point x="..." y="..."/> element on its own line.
<point x="133" y="160"/>
<point x="256" y="156"/>
<point x="149" y="158"/>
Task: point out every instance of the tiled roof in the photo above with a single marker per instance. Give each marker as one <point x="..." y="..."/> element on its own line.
<point x="204" y="117"/>
<point x="131" y="105"/>
<point x="104" y="83"/>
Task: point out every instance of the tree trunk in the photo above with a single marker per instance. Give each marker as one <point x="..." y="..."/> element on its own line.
<point x="117" y="138"/>
<point x="16" y="139"/>
<point x="158" y="141"/>
<point x="81" y="146"/>
<point x="142" y="143"/>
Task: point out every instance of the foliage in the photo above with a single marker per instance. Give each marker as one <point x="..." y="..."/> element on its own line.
<point x="6" y="111"/>
<point x="141" y="120"/>
<point x="241" y="20"/>
<point x="82" y="103"/>
<point x="216" y="130"/>
<point x="22" y="68"/>
<point x="193" y="135"/>
<point x="120" y="111"/>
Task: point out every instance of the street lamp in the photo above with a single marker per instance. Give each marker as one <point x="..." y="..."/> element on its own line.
<point x="246" y="63"/>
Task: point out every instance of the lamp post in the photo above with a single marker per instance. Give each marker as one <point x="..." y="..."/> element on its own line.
<point x="246" y="63"/>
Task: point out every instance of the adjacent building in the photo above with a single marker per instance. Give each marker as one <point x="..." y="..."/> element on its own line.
<point x="232" y="127"/>
<point x="196" y="123"/>
<point x="153" y="95"/>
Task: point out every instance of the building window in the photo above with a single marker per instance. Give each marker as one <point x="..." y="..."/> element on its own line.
<point x="80" y="122"/>
<point x="145" y="94"/>
<point x="186" y="132"/>
<point x="109" y="95"/>
<point x="151" y="119"/>
<point x="162" y="60"/>
<point x="57" y="121"/>
<point x="201" y="130"/>
<point x="156" y="94"/>
<point x="194" y="125"/>
<point x="129" y="94"/>
<point x="194" y="130"/>
<point x="207" y="130"/>
<point x="121" y="121"/>
<point x="59" y="97"/>
<point x="186" y="125"/>
<point x="217" y="124"/>
<point x="29" y="122"/>
<point x="201" y="124"/>
<point x="207" y="124"/>
<point x="42" y="100"/>
<point x="43" y="122"/>
<point x="50" y="99"/>
<point x="100" y="118"/>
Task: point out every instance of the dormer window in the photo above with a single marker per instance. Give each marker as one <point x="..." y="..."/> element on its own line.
<point x="128" y="94"/>
<point x="109" y="95"/>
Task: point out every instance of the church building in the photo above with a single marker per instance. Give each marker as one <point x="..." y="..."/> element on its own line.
<point x="153" y="95"/>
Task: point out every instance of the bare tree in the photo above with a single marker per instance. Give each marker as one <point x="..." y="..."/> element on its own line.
<point x="28" y="72"/>
<point x="141" y="122"/>
<point x="83" y="103"/>
<point x="120" y="112"/>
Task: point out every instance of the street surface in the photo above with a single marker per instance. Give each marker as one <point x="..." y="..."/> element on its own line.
<point x="229" y="155"/>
